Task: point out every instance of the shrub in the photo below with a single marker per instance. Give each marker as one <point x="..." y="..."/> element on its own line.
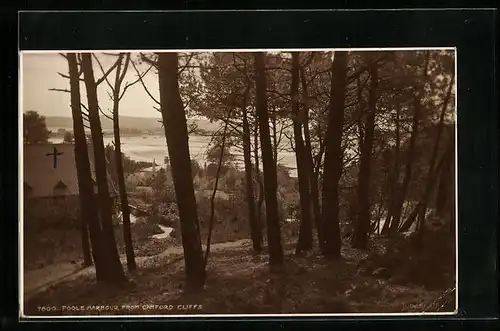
<point x="430" y="263"/>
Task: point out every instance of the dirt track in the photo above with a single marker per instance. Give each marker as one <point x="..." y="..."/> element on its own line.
<point x="36" y="281"/>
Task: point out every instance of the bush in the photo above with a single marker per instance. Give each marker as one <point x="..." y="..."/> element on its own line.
<point x="68" y="137"/>
<point x="211" y="170"/>
<point x="195" y="168"/>
<point x="40" y="214"/>
<point x="430" y="263"/>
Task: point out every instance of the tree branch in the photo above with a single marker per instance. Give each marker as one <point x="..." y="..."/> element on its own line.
<point x="105" y="115"/>
<point x="309" y="60"/>
<point x="67" y="77"/>
<point x="290" y="138"/>
<point x="84" y="114"/>
<point x="80" y="72"/>
<point x="105" y="73"/>
<point x="60" y="90"/>
<point x="190" y="57"/>
<point x="124" y="69"/>
<point x="128" y="85"/>
<point x="144" y="85"/>
<point x="148" y="60"/>
<point x="84" y="107"/>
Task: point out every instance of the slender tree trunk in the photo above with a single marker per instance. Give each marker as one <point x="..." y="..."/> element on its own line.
<point x="333" y="156"/>
<point x="394" y="179"/>
<point x="127" y="233"/>
<point x="174" y="121"/>
<point x="431" y="176"/>
<point x="313" y="177"/>
<point x="395" y="218"/>
<point x="255" y="231"/>
<point x="361" y="105"/>
<point x="275" y="140"/>
<point x="87" y="256"/>
<point x="270" y="177"/>
<point x="411" y="218"/>
<point x="305" y="234"/>
<point x="419" y="208"/>
<point x="260" y="199"/>
<point x="88" y="213"/>
<point x="214" y="193"/>
<point x="364" y="215"/>
<point x="319" y="158"/>
<point x="104" y="200"/>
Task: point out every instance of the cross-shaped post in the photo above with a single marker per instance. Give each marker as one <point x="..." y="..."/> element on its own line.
<point x="55" y="153"/>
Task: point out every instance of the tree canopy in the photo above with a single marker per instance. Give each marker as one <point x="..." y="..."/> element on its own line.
<point x="34" y="127"/>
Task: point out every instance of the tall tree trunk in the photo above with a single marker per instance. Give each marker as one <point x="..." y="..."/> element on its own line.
<point x="174" y="122"/>
<point x="255" y="231"/>
<point x="394" y="178"/>
<point x="360" y="125"/>
<point x="395" y="218"/>
<point x="431" y="176"/>
<point x="260" y="198"/>
<point x="127" y="233"/>
<point x="275" y="139"/>
<point x="88" y="213"/>
<point x="360" y="109"/>
<point x="405" y="226"/>
<point x="84" y="228"/>
<point x="305" y="233"/>
<point x="333" y="156"/>
<point x="364" y="215"/>
<point x="214" y="192"/>
<point x="269" y="167"/>
<point x="317" y="165"/>
<point x="104" y="200"/>
<point x="313" y="176"/>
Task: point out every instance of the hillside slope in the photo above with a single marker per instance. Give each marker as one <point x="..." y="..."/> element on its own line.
<point x="126" y="122"/>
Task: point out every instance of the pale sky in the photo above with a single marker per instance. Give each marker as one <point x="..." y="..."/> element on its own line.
<point x="40" y="73"/>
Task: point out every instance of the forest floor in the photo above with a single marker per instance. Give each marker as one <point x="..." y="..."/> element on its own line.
<point x="240" y="282"/>
<point x="36" y="281"/>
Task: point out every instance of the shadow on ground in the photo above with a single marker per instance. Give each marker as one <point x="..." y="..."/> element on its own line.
<point x="241" y="283"/>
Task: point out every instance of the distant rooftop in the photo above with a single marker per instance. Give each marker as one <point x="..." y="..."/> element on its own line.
<point x="42" y="180"/>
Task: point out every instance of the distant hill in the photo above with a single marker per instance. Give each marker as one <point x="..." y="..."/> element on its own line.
<point x="126" y="122"/>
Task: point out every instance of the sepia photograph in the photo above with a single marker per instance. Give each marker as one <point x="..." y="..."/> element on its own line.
<point x="252" y="182"/>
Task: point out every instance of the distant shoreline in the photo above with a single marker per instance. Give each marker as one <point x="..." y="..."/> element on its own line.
<point x="127" y="123"/>
<point x="56" y="134"/>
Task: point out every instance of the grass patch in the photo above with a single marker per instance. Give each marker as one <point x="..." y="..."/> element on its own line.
<point x="63" y="245"/>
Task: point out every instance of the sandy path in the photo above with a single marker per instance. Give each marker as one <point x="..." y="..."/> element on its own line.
<point x="36" y="281"/>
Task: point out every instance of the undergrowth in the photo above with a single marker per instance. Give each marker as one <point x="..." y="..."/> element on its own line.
<point x="240" y="282"/>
